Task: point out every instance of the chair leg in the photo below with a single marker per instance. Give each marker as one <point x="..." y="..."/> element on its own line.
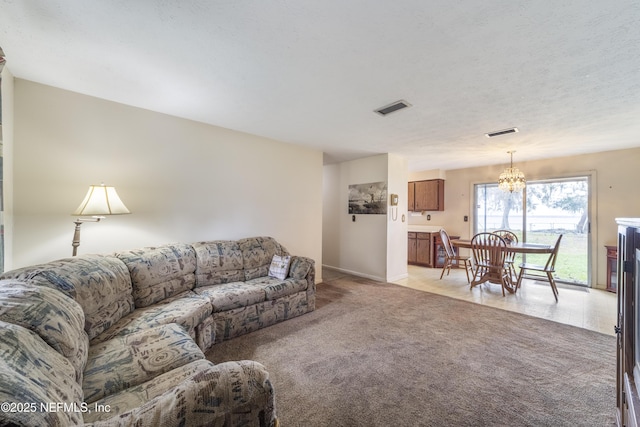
<point x="503" y="284"/>
<point x="444" y="267"/>
<point x="467" y="267"/>
<point x="552" y="282"/>
<point x="513" y="280"/>
<point x="476" y="275"/>
<point x="512" y="274"/>
<point x="519" y="278"/>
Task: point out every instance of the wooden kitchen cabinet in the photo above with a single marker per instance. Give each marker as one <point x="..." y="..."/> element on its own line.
<point x="412" y="198"/>
<point x="426" y="195"/>
<point x="420" y="249"/>
<point x="412" y="255"/>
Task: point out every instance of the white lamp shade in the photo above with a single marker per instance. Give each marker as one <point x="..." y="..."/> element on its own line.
<point x="101" y="200"/>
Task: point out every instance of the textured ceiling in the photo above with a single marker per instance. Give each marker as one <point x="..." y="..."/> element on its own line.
<point x="566" y="73"/>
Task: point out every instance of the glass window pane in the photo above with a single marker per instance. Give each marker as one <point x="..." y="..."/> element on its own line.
<point x="560" y="207"/>
<point x="553" y="207"/>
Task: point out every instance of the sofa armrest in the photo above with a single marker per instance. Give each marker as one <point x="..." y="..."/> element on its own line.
<point x="301" y="267"/>
<point x="305" y="268"/>
<point x="230" y="393"/>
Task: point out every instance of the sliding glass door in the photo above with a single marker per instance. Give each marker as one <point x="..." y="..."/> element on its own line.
<point x="539" y="214"/>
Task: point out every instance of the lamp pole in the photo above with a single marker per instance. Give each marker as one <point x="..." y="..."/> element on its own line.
<point x="76" y="234"/>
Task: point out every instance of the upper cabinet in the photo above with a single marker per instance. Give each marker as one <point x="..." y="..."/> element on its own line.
<point x="412" y="196"/>
<point x="426" y="195"/>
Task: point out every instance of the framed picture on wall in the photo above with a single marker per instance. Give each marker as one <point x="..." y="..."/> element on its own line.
<point x="370" y="198"/>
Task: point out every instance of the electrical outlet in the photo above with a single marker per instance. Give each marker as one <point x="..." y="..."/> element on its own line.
<point x="428" y="217"/>
<point x="466" y="218"/>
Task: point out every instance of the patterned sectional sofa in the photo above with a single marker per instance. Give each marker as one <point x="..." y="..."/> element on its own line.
<point x="120" y="339"/>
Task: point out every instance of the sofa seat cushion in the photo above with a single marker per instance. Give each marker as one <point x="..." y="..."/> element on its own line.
<point x="101" y="284"/>
<point x="239" y="321"/>
<point x="133" y="359"/>
<point x="219" y="261"/>
<point x="257" y="253"/>
<point x="275" y="288"/>
<point x="160" y="272"/>
<point x="187" y="310"/>
<point x="32" y="373"/>
<point x="55" y="317"/>
<point x="232" y="295"/>
<point x="197" y="394"/>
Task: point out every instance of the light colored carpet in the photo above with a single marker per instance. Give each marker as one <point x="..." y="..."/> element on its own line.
<point x="375" y="354"/>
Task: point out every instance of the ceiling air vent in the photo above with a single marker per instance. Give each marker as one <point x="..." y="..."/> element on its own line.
<point x="501" y="132"/>
<point x="388" y="109"/>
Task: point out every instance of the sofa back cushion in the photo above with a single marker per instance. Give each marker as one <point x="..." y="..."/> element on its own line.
<point x="55" y="317"/>
<point x="99" y="283"/>
<point x="218" y="262"/>
<point x="36" y="381"/>
<point x="257" y="253"/>
<point x="160" y="272"/>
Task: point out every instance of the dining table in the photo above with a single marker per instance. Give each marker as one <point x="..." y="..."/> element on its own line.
<point x="513" y="247"/>
<point x="516" y="247"/>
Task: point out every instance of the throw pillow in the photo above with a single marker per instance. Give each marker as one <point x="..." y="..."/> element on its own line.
<point x="279" y="266"/>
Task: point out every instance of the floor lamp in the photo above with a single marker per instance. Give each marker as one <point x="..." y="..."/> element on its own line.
<point x="99" y="201"/>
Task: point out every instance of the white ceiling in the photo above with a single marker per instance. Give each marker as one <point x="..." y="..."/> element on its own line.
<point x="566" y="73"/>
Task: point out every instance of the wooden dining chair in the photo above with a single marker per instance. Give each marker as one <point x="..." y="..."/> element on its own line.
<point x="450" y="256"/>
<point x="489" y="252"/>
<point x="509" y="237"/>
<point x="543" y="271"/>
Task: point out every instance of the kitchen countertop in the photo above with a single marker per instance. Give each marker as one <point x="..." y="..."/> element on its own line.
<point x="424" y="228"/>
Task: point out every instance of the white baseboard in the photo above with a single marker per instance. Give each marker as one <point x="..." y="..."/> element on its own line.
<point x="366" y="276"/>
<point x="400" y="277"/>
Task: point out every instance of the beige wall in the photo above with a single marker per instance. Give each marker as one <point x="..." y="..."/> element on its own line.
<point x="183" y="181"/>
<point x="7" y="163"/>
<point x="187" y="181"/>
<point x="374" y="246"/>
<point x="616" y="193"/>
<point x="397" y="219"/>
<point x="361" y="246"/>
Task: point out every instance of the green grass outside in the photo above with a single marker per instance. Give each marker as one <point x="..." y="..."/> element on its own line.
<point x="571" y="265"/>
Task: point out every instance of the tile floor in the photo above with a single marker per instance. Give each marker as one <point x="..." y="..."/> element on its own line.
<point x="592" y="309"/>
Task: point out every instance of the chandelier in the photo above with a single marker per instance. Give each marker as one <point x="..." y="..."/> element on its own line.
<point x="512" y="179"/>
